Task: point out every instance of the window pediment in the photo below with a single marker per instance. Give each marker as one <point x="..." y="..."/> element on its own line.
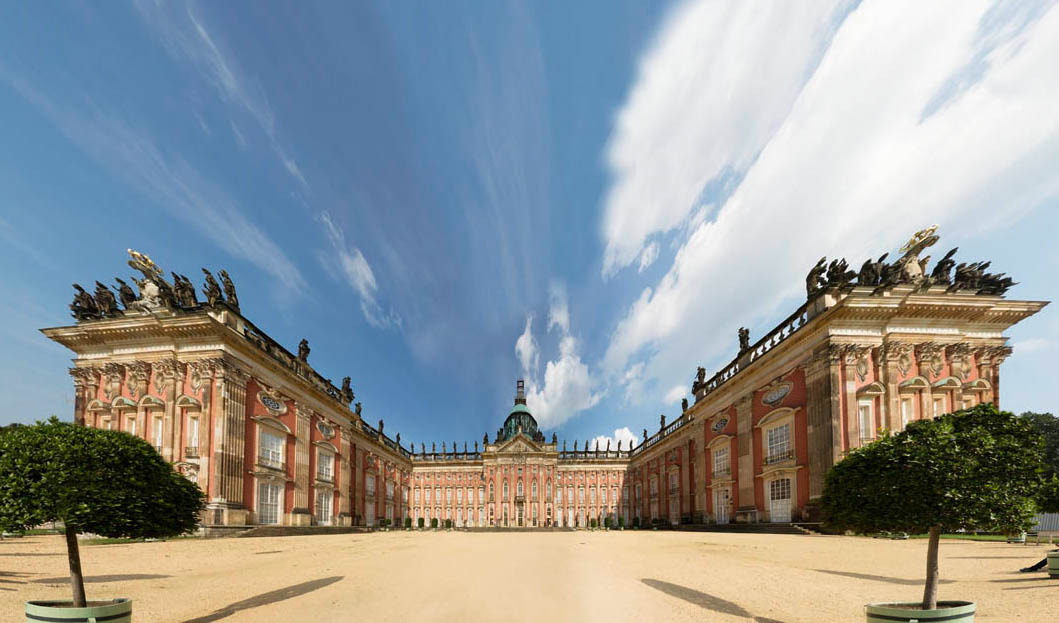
<point x="915" y="383"/>
<point x="720" y="441"/>
<point x="872" y="389"/>
<point x="272" y="423"/>
<point x="187" y="401"/>
<point x="776" y="416"/>
<point x="949" y="382"/>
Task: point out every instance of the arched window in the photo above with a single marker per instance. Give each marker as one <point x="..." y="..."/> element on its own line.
<point x="505" y="491"/>
<point x="534" y="489"/>
<point x="548" y="490"/>
<point x="490" y="492"/>
<point x="519" y="488"/>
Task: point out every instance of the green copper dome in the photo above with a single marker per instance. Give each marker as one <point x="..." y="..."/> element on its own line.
<point x="520" y="417"/>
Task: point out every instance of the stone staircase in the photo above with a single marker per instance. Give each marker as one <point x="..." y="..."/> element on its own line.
<point x="257" y="531"/>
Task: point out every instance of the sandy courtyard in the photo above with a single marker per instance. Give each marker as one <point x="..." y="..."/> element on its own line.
<point x="563" y="576"/>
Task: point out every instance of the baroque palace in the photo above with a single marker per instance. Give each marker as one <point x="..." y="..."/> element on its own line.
<point x="272" y="441"/>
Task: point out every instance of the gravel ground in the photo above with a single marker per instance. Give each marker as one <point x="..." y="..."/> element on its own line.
<point x="561" y="576"/>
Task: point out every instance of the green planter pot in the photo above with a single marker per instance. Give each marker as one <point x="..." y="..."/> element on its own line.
<point x="1053" y="565"/>
<point x="113" y="611"/>
<point x="948" y="611"/>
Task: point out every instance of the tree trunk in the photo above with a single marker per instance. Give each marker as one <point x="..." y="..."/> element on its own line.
<point x="930" y="591"/>
<point x="77" y="581"/>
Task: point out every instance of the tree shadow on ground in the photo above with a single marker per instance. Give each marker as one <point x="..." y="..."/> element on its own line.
<point x="98" y="579"/>
<point x="30" y="554"/>
<point x="265" y="599"/>
<point x="5" y="575"/>
<point x="879" y="578"/>
<point x="990" y="557"/>
<point x="704" y="600"/>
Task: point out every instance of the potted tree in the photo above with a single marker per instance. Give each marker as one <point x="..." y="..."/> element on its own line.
<point x="97" y="481"/>
<point x="420" y="523"/>
<point x="448" y="524"/>
<point x="976" y="469"/>
<point x="407" y="523"/>
<point x="621" y="522"/>
<point x="434" y="523"/>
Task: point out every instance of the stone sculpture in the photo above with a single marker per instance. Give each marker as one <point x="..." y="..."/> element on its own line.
<point x="211" y="289"/>
<point x="303" y="350"/>
<point x="744" y="339"/>
<point x="229" y="289"/>
<point x="126" y="294"/>
<point x="105" y="301"/>
<point x="83" y="306"/>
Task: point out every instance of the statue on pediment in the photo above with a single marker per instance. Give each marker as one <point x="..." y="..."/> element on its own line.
<point x="211" y="289"/>
<point x="83" y="306"/>
<point x="126" y="294"/>
<point x="105" y="301"/>
<point x="229" y="289"/>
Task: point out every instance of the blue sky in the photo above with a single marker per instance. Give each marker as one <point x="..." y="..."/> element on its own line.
<point x="442" y="197"/>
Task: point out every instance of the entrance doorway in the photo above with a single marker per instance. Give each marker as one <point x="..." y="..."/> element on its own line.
<point x="519" y="515"/>
<point x="780" y="500"/>
<point x="721" y="499"/>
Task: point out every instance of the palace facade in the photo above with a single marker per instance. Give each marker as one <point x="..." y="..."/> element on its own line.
<point x="272" y="441"/>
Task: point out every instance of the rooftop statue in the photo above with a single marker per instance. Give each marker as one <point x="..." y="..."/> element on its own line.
<point x="744" y="339"/>
<point x="303" y="350"/>
<point x="683" y="404"/>
<point x="619" y="445"/>
<point x="143" y="263"/>
<point x="485" y="440"/>
<point x="476" y="446"/>
<point x="184" y="292"/>
<point x="839" y="276"/>
<point x="347" y="390"/>
<point x="940" y="274"/>
<point x="356" y="409"/>
<point x="608" y="445"/>
<point x="871" y="273"/>
<point x="662" y="420"/>
<point x="555" y="439"/>
<point x="83" y="306"/>
<point x="211" y="289"/>
<point x="814" y="281"/>
<point x="645" y="434"/>
<point x="105" y="301"/>
<point x="381" y="424"/>
<point x="154" y="291"/>
<point x="126" y="294"/>
<point x="433" y="447"/>
<point x="229" y="289"/>
<point x="397" y="439"/>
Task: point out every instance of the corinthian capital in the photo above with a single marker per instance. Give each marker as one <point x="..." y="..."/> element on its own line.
<point x="85" y="376"/>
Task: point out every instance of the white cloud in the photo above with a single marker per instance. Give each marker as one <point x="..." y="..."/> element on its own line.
<point x="526" y="349"/>
<point x="568" y="387"/>
<point x="623" y="435"/>
<point x="1032" y="345"/>
<point x="850" y="165"/>
<point x="355" y="270"/>
<point x="648" y="256"/>
<point x="675" y="394"/>
<point x="710" y="93"/>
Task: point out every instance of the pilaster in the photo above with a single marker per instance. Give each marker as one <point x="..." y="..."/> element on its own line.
<point x="345" y="491"/>
<point x="300" y="514"/>
<point x="165" y="381"/>
<point x="229" y="434"/>
<point x="745" y="432"/>
<point x="86" y="388"/>
<point x="823" y="412"/>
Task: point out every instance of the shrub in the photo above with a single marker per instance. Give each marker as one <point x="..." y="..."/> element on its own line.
<point x="104" y="482"/>
<point x="636" y="522"/>
<point x="976" y="469"/>
<point x="592" y="522"/>
<point x="448" y="524"/>
<point x="407" y="522"/>
<point x="420" y="522"/>
<point x="433" y="522"/>
<point x="621" y="521"/>
<point x="606" y="522"/>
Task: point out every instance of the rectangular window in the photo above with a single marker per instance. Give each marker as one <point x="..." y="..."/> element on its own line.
<point x="459" y="496"/>
<point x="603" y="496"/>
<point x="906" y="412"/>
<point x="193" y="433"/>
<point x="158" y="433"/>
<point x="867" y="422"/>
<point x="779" y="444"/>
<point x="389" y="489"/>
<point x="939" y="406"/>
<point x="721" y="463"/>
<point x="325" y="466"/>
<point x="323" y="508"/>
<point x="268" y="502"/>
<point x="417" y="496"/>
<point x="271" y="453"/>
<point x="673" y="486"/>
<point x="369" y="485"/>
<point x="132" y="425"/>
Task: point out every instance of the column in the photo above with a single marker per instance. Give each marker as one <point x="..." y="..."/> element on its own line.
<point x="745" y="440"/>
<point x="300" y="514"/>
<point x="229" y="445"/>
<point x="357" y="493"/>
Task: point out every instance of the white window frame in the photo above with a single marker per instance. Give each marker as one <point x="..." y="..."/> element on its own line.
<point x="866" y="417"/>
<point x="324" y="501"/>
<point x="325" y="465"/>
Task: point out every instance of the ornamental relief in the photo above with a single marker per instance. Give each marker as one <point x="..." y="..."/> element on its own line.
<point x="930" y="358"/>
<point x="136" y="381"/>
<point x="959" y="356"/>
<point x="899" y="352"/>
<point x="113" y="377"/>
<point x="856" y="355"/>
<point x="165" y="371"/>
